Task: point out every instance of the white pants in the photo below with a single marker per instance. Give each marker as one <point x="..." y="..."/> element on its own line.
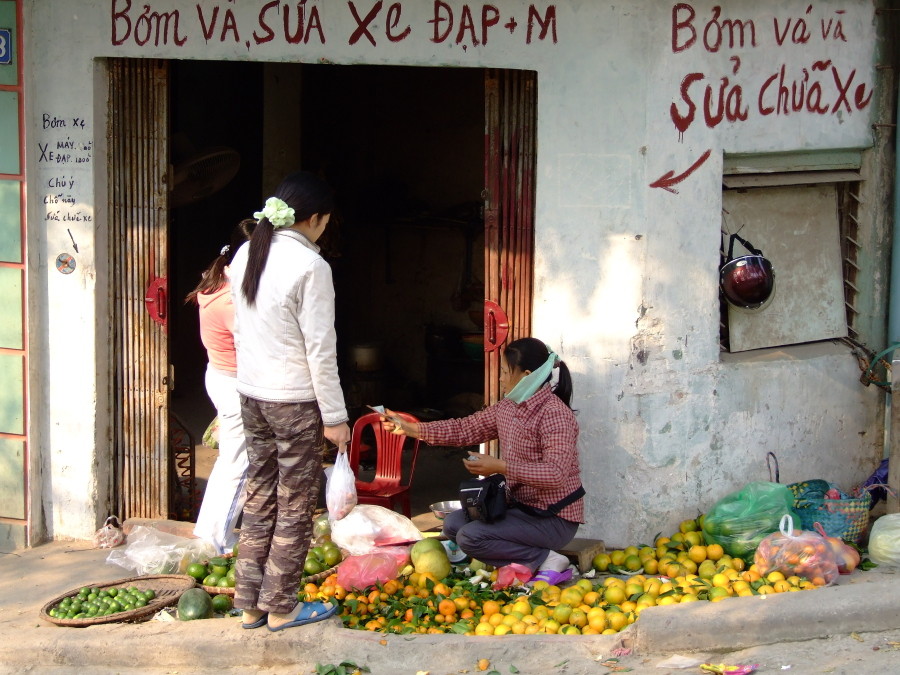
<point x="224" y="498"/>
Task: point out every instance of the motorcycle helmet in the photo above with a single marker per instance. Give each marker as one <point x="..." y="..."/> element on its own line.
<point x="748" y="281"/>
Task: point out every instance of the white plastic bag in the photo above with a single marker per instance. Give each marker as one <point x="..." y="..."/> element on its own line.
<point x="110" y="535"/>
<point x="340" y="488"/>
<point x="150" y="551"/>
<point x="369" y="526"/>
<point x="884" y="540"/>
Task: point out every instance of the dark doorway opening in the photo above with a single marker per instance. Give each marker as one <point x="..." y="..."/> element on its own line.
<point x="404" y="148"/>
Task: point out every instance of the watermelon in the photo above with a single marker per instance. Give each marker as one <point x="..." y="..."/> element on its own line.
<point x="195" y="603"/>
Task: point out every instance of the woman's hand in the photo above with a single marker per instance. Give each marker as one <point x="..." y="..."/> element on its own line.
<point x="339" y="434"/>
<point x="392" y="422"/>
<point x="483" y="465"/>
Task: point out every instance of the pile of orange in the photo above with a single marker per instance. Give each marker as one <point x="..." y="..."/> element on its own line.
<point x="677" y="569"/>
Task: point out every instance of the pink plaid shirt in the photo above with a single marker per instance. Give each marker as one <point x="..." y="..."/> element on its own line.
<point x="538" y="441"/>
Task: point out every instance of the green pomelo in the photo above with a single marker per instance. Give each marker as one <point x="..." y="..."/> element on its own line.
<point x="423" y="545"/>
<point x="195" y="603"/>
<point x="435" y="562"/>
<point x="222" y="603"/>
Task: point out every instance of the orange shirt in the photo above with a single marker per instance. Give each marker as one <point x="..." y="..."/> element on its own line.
<point x="217" y="328"/>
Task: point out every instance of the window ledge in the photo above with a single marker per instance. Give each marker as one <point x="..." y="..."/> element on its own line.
<point x="802" y="352"/>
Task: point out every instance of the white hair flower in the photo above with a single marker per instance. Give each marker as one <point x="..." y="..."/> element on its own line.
<point x="276" y="212"/>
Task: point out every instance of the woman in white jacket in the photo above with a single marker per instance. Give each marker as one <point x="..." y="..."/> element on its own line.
<point x="290" y="397"/>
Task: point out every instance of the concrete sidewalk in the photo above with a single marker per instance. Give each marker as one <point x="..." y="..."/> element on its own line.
<point x="862" y="602"/>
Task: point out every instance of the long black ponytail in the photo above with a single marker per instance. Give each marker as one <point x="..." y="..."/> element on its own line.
<point x="306" y="193"/>
<point x="530" y="354"/>
<point x="213" y="277"/>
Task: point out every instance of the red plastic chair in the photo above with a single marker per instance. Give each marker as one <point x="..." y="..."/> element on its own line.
<point x="388" y="486"/>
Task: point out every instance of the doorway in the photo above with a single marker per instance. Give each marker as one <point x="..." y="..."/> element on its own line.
<point x="405" y="149"/>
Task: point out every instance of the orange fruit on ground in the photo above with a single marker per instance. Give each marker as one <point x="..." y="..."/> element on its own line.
<point x="562" y="612"/>
<point x="633" y="588"/>
<point x="717" y="593"/>
<point x="697" y="553"/>
<point x="484" y="628"/>
<point x="614" y="595"/>
<point x="721" y="580"/>
<point x="781" y="586"/>
<point x="490" y="607"/>
<point x="651" y="566"/>
<point x="496" y="619"/>
<point x="714" y="551"/>
<point x="447" y="606"/>
<point x="540" y="612"/>
<point x="646" y="552"/>
<point x="688" y="566"/>
<point x="578" y="618"/>
<point x="617" y="557"/>
<point x="600" y="562"/>
<point x="616" y="620"/>
<point x="597" y="621"/>
<point x="632" y="563"/>
<point x="693" y="538"/>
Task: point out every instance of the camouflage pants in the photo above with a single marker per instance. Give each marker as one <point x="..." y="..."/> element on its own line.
<point x="284" y="450"/>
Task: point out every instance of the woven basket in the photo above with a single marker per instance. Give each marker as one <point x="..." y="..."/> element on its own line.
<point x="310" y="579"/>
<point x="842" y="518"/>
<point x="321" y="576"/>
<point x="168" y="587"/>
<point x="217" y="590"/>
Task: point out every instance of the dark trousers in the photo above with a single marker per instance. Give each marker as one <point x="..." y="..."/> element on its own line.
<point x="285" y="468"/>
<point x="517" y="538"/>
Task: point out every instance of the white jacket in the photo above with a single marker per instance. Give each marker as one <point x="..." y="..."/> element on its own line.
<point x="286" y="343"/>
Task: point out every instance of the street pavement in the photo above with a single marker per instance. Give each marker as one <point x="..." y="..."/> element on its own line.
<point x="851" y="627"/>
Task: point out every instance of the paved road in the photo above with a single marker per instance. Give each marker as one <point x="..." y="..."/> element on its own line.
<point x="853" y="627"/>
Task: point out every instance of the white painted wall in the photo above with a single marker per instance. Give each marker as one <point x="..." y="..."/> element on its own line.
<point x="626" y="274"/>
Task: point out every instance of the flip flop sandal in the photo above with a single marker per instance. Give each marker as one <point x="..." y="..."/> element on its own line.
<point x="310" y="613"/>
<point x="551" y="577"/>
<point x="259" y="623"/>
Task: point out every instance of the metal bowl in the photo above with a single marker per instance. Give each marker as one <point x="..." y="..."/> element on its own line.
<point x="441" y="509"/>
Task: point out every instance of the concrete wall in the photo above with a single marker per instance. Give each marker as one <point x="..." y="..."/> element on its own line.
<point x="626" y="273"/>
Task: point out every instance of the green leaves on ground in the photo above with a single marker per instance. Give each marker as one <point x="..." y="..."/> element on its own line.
<point x="343" y="668"/>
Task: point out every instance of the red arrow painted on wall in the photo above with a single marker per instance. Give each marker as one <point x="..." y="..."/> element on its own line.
<point x="668" y="179"/>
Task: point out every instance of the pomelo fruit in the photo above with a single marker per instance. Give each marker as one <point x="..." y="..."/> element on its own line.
<point x="434" y="562"/>
<point x="426" y="544"/>
<point x="195" y="603"/>
<point x="222" y="603"/>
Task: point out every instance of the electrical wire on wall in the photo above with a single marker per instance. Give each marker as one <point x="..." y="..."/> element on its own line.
<point x="869" y="361"/>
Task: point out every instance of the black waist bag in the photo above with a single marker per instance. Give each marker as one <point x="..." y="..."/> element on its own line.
<point x="554" y="508"/>
<point x="484" y="498"/>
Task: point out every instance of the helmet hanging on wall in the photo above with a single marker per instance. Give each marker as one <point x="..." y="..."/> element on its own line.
<point x="748" y="281"/>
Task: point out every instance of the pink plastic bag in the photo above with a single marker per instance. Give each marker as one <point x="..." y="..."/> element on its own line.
<point x="362" y="571"/>
<point x="797" y="552"/>
<point x="513" y="574"/>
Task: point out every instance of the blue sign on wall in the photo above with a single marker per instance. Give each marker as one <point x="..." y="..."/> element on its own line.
<point x="6" y="46"/>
